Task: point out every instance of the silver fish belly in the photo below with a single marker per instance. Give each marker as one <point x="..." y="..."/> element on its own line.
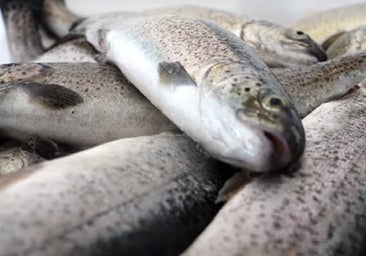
<point x="319" y="210"/>
<point x="138" y="196"/>
<point x="79" y="104"/>
<point x="208" y="82"/>
<point x="278" y="46"/>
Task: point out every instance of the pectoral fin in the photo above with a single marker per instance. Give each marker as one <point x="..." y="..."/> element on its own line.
<point x="173" y="73"/>
<point x="51" y="95"/>
<point x="233" y="185"/>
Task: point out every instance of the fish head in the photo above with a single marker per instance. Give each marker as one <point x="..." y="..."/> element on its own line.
<point x="281" y="47"/>
<point x="256" y="126"/>
<point x="10" y="73"/>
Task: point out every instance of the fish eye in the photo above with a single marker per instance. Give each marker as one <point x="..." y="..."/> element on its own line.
<point x="273" y="103"/>
<point x="296" y="35"/>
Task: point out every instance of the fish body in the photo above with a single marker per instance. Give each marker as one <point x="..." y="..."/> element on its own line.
<point x="69" y="50"/>
<point x="278" y="46"/>
<point x="323" y="25"/>
<point x="22" y="30"/>
<point x="310" y="86"/>
<point x="78" y="104"/>
<point x="349" y="42"/>
<point x="137" y="196"/>
<point x="208" y="82"/>
<point x="319" y="210"/>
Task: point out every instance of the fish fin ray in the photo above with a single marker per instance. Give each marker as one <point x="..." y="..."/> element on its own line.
<point x="52" y="95"/>
<point x="232" y="186"/>
<point x="173" y="73"/>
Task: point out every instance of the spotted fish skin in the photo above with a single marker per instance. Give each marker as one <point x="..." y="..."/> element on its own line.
<point x="278" y="46"/>
<point x="319" y="210"/>
<point x="208" y="82"/>
<point x="310" y="86"/>
<point x="137" y="196"/>
<point x="326" y="24"/>
<point x="53" y="100"/>
<point x="70" y="50"/>
<point x="22" y="29"/>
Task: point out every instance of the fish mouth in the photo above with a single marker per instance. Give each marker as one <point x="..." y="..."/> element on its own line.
<point x="284" y="153"/>
<point x="316" y="51"/>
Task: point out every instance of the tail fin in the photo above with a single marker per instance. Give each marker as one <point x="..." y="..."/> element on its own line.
<point x="22" y="28"/>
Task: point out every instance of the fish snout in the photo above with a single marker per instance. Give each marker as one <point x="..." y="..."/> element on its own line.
<point x="287" y="147"/>
<point x="316" y="51"/>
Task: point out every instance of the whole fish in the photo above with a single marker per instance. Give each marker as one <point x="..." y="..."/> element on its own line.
<point x="22" y="30"/>
<point x="137" y="196"/>
<point x="310" y="86"/>
<point x="276" y="45"/>
<point x="349" y="42"/>
<point x="78" y="104"/>
<point x="330" y="23"/>
<point x="208" y="82"/>
<point x="319" y="210"/>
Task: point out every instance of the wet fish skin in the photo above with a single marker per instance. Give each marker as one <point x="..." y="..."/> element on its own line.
<point x="323" y="25"/>
<point x="22" y="29"/>
<point x="310" y="86"/>
<point x="53" y="100"/>
<point x="278" y="46"/>
<point x="349" y="42"/>
<point x="13" y="157"/>
<point x="71" y="49"/>
<point x="138" y="195"/>
<point x="197" y="74"/>
<point x="319" y="210"/>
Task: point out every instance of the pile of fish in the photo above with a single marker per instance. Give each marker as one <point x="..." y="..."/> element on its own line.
<point x="182" y="130"/>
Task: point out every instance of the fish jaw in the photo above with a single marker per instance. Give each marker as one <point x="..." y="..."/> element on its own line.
<point x="281" y="47"/>
<point x="246" y="141"/>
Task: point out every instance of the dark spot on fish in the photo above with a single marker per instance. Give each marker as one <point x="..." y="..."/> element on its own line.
<point x="258" y="84"/>
<point x="299" y="32"/>
<point x="247" y="89"/>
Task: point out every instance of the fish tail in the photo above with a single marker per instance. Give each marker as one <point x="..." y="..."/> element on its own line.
<point x="21" y="22"/>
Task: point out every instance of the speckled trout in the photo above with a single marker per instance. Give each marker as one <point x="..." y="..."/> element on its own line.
<point x="319" y="210"/>
<point x="208" y="82"/>
<point x="73" y="103"/>
<point x="137" y="196"/>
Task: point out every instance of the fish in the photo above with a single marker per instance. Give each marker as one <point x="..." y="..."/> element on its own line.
<point x="329" y="24"/>
<point x="76" y="104"/>
<point x="277" y="46"/>
<point x="69" y="49"/>
<point x="136" y="196"/>
<point x="22" y="30"/>
<point x="57" y="17"/>
<point x="310" y="86"/>
<point x="318" y="210"/>
<point x="14" y="157"/>
<point x="208" y="82"/>
<point x="349" y="42"/>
